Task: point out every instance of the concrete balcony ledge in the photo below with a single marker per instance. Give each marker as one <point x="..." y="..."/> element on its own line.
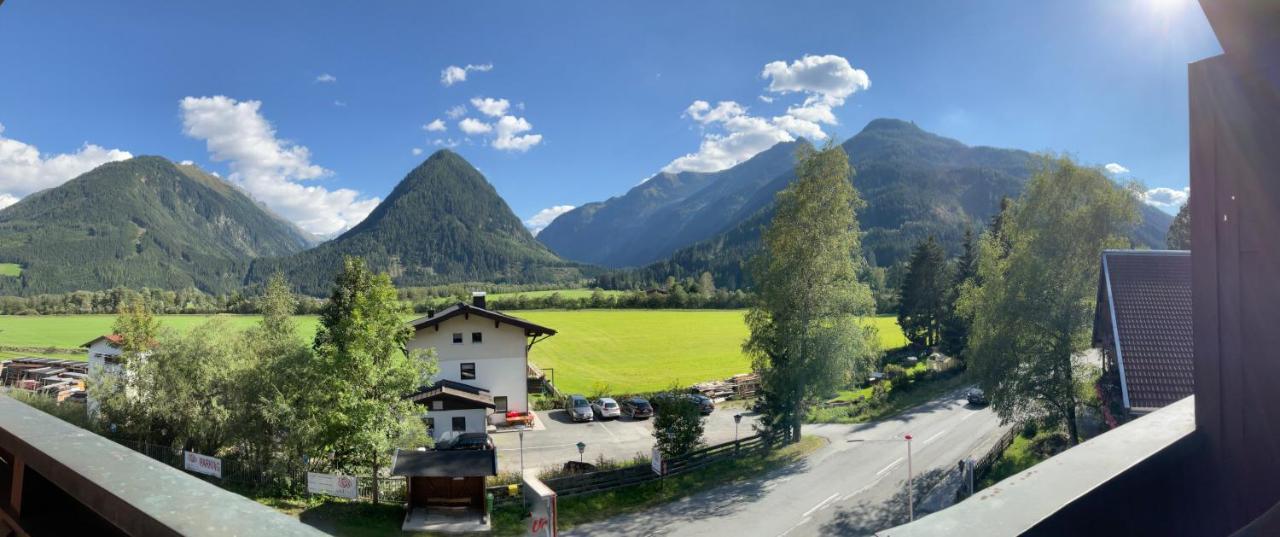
<point x="1018" y="504"/>
<point x="76" y="482"/>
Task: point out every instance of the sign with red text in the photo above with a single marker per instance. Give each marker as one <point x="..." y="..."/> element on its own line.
<point x="342" y="486"/>
<point x="202" y="464"/>
<point x="541" y="502"/>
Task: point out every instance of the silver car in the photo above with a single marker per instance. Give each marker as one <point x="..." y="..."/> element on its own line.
<point x="606" y="407"/>
<point x="579" y="409"/>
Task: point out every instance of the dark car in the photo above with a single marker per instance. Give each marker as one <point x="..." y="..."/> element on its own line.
<point x="976" y="397"/>
<point x="705" y="404"/>
<point x="452" y="441"/>
<point x="637" y="408"/>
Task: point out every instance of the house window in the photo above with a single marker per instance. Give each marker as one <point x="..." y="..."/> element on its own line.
<point x="457" y="338"/>
<point x="460" y="423"/>
<point x="468" y="371"/>
<point x="477" y="337"/>
<point x="500" y="404"/>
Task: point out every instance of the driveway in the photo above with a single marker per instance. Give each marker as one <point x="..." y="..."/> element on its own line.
<point x="854" y="486"/>
<point x="618" y="439"/>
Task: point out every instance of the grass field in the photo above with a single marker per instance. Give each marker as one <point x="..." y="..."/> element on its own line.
<point x="622" y="350"/>
<point x="10" y="269"/>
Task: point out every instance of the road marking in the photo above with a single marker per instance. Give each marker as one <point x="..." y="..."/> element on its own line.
<point x="868" y="486"/>
<point x="606" y="429"/>
<point x="789" y="530"/>
<point x="969" y="415"/>
<point x="820" y="505"/>
<point x="935" y="437"/>
<point x="889" y="467"/>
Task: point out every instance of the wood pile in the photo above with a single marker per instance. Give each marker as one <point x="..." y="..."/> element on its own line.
<point x="61" y="379"/>
<point x="740" y="386"/>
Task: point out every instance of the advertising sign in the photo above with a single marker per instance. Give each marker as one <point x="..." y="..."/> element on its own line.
<point x="541" y="502"/>
<point x="655" y="462"/>
<point x="342" y="486"/>
<point x="202" y="464"/>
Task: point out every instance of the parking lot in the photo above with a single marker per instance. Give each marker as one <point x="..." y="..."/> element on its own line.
<point x="622" y="438"/>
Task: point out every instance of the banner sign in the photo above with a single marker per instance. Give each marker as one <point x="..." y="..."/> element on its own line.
<point x="202" y="464"/>
<point x="657" y="464"/>
<point x="342" y="486"/>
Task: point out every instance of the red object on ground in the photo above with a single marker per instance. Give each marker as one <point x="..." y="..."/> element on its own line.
<point x="513" y="414"/>
<point x="908" y="437"/>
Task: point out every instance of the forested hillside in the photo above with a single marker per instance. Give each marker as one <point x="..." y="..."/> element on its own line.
<point x="443" y="223"/>
<point x="142" y="222"/>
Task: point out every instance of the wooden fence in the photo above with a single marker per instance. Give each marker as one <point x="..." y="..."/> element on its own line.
<point x="593" y="482"/>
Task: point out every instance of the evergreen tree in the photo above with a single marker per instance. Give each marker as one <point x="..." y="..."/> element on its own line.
<point x="1035" y="304"/>
<point x="924" y="294"/>
<point x="955" y="325"/>
<point x="805" y="337"/>
<point x="1179" y="236"/>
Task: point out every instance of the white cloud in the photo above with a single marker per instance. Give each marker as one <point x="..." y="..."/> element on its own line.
<point x="1115" y="169"/>
<point x="416" y="151"/>
<point x="326" y="78"/>
<point x="473" y="126"/>
<point x="271" y="169"/>
<point x="436" y="125"/>
<point x="509" y="137"/>
<point x="456" y="112"/>
<point x="339" y="103"/>
<point x="731" y="134"/>
<point x="443" y="142"/>
<point x="829" y="77"/>
<point x="543" y="218"/>
<point x="1169" y="199"/>
<point x="453" y="74"/>
<point x="188" y="163"/>
<point x="490" y="106"/>
<point x="23" y="169"/>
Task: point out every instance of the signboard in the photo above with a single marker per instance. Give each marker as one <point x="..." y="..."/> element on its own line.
<point x="655" y="462"/>
<point x="202" y="464"/>
<point x="540" y="500"/>
<point x="342" y="486"/>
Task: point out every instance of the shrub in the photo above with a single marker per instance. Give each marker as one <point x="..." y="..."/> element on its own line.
<point x="894" y="372"/>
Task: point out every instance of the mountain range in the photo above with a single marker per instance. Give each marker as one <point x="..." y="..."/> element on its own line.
<point x="147" y="222"/>
<point x="916" y="184"/>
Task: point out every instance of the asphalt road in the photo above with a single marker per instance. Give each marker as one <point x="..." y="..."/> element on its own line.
<point x="854" y="486"/>
<point x="618" y="439"/>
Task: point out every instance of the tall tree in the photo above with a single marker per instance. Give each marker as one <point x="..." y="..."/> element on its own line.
<point x="1035" y="304"/>
<point x="1179" y="236"/>
<point x="805" y="337"/>
<point x="924" y="294"/>
<point x="361" y="341"/>
<point x="955" y="325"/>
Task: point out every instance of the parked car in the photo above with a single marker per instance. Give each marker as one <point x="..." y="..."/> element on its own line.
<point x="455" y="440"/>
<point x="579" y="409"/>
<point x="606" y="407"/>
<point x="637" y="408"/>
<point x="976" y="397"/>
<point x="705" y="404"/>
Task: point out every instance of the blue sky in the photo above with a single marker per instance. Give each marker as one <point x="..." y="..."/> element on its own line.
<point x="319" y="108"/>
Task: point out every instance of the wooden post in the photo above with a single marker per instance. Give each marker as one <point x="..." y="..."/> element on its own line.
<point x="15" y="488"/>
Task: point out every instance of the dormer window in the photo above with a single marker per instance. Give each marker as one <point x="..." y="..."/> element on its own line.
<point x="457" y="338"/>
<point x="477" y="337"/>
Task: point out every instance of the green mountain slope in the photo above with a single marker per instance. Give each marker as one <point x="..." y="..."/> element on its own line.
<point x="443" y="223"/>
<point x="915" y="183"/>
<point x="139" y="222"/>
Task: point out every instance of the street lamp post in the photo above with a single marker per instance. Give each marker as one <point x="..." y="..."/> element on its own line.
<point x="522" y="427"/>
<point x="911" y="508"/>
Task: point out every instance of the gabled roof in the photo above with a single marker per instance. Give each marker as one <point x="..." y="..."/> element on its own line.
<point x="465" y="394"/>
<point x="1144" y="315"/>
<point x="445" y="463"/>
<point x="114" y="339"/>
<point x="464" y="309"/>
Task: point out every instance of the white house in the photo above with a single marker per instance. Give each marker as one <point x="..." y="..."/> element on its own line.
<point x="104" y="354"/>
<point x="480" y="352"/>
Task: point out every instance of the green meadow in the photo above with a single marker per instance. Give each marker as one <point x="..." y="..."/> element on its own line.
<point x="594" y="350"/>
<point x="10" y="269"/>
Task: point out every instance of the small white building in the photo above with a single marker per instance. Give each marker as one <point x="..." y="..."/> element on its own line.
<point x="104" y="357"/>
<point x="478" y="350"/>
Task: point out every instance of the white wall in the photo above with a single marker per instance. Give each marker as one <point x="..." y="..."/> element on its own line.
<point x="97" y="362"/>
<point x="500" y="359"/>
<point x="443" y="420"/>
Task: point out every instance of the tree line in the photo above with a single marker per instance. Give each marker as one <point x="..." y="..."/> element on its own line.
<point x="268" y="396"/>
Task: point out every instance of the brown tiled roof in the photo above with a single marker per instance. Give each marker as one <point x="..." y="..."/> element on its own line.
<point x="448" y="389"/>
<point x="1144" y="314"/>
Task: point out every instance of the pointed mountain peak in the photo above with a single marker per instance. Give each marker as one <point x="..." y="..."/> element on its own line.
<point x="891" y="125"/>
